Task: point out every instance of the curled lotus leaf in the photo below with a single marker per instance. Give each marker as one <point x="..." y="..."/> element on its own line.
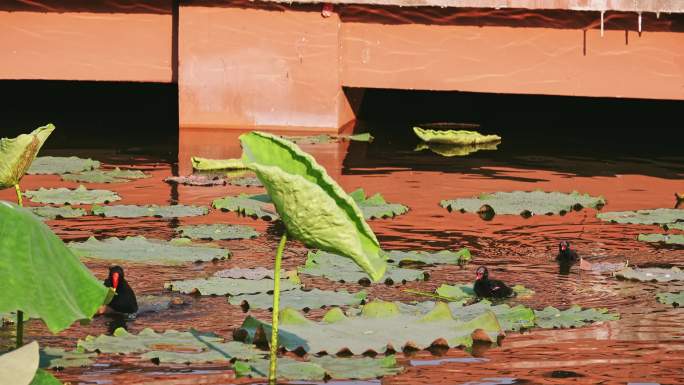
<point x="227" y="286"/>
<point x="450" y="150"/>
<point x="17" y="154"/>
<point x="247" y="273"/>
<point x="442" y="257"/>
<point x="322" y="368"/>
<point x="58" y="358"/>
<point x="147" y="340"/>
<point x="101" y="176"/>
<point x="462" y="137"/>
<point x="651" y="274"/>
<point x="300" y="299"/>
<point x="331" y="266"/>
<point x="643" y="217"/>
<point x="62" y="165"/>
<point x="206" y="164"/>
<point x="143" y="250"/>
<point x="217" y="232"/>
<point x="77" y="196"/>
<point x="51" y="212"/>
<point x="575" y="316"/>
<point x="19" y="366"/>
<point x="674" y="299"/>
<point x="313" y="207"/>
<point x="375" y="207"/>
<point x="257" y="206"/>
<point x="670" y="239"/>
<point x="47" y="280"/>
<point x="133" y="211"/>
<point x="524" y="203"/>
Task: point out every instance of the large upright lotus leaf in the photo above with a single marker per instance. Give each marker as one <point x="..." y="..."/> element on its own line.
<point x="443" y="257"/>
<point x="314" y="208"/>
<point x="375" y="207"/>
<point x="44" y="378"/>
<point x="51" y="212"/>
<point x="674" y="299"/>
<point x="217" y="232"/>
<point x="247" y="205"/>
<point x="206" y="164"/>
<point x="142" y="250"/>
<point x="450" y="150"/>
<point x="124" y="342"/>
<point x="651" y="274"/>
<point x="525" y="202"/>
<point x="331" y="266"/>
<point x="19" y="366"/>
<point x="40" y="276"/>
<point x="322" y="368"/>
<point x="670" y="239"/>
<point x="300" y="299"/>
<point x="17" y="154"/>
<point x="552" y="318"/>
<point x="77" y="196"/>
<point x="100" y="176"/>
<point x="462" y="137"/>
<point x="58" y="358"/>
<point x="62" y="165"/>
<point x="643" y="217"/>
<point x="133" y="211"/>
<point x="227" y="286"/>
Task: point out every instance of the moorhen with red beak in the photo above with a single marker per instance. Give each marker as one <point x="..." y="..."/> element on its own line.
<point x="124" y="301"/>
<point x="565" y="253"/>
<point x="490" y="288"/>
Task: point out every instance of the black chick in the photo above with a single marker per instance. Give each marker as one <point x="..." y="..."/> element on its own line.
<point x="490" y="288"/>
<point x="124" y="301"/>
<point x="565" y="253"/>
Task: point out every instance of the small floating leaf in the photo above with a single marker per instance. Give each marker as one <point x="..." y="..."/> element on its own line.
<point x="78" y="196"/>
<point x="375" y="207"/>
<point x="411" y="258"/>
<point x="333" y="267"/>
<point x="325" y="138"/>
<point x="248" y="205"/>
<point x="524" y="203"/>
<point x="217" y="232"/>
<point x="58" y="358"/>
<point x="643" y="217"/>
<point x="300" y="299"/>
<point x="133" y="211"/>
<point x="100" y="176"/>
<point x="552" y="318"/>
<point x="323" y="368"/>
<point x="652" y="274"/>
<point x="465" y="291"/>
<point x="449" y="150"/>
<point x="227" y="286"/>
<point x="670" y="239"/>
<point x="197" y="180"/>
<point x="246" y="273"/>
<point x="205" y="164"/>
<point x="51" y="212"/>
<point x="674" y="299"/>
<point x="461" y="137"/>
<point x="61" y="165"/>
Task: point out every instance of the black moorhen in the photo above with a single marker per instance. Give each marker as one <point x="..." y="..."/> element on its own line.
<point x="490" y="288"/>
<point x="565" y="253"/>
<point x="124" y="301"/>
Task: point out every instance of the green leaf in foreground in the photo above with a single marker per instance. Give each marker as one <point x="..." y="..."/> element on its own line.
<point x="227" y="286"/>
<point x="17" y="154"/>
<point x="217" y="232"/>
<point x="670" y="239"/>
<point x="331" y="266"/>
<point x="375" y="207"/>
<point x="462" y="137"/>
<point x="41" y="277"/>
<point x="133" y="211"/>
<point x="206" y="164"/>
<point x="44" y="378"/>
<point x="100" y="176"/>
<point x="51" y="212"/>
<point x="62" y="165"/>
<point x="257" y="206"/>
<point x="78" y="196"/>
<point x="643" y="217"/>
<point x="19" y="366"/>
<point x="300" y="299"/>
<point x="143" y="250"/>
<point x="651" y="274"/>
<point x="674" y="299"/>
<point x="575" y="316"/>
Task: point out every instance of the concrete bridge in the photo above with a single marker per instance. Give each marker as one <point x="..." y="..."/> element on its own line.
<point x="274" y="64"/>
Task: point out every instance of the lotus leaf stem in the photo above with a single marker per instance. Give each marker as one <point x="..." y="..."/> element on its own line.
<point x="20" y="314"/>
<point x="276" y="311"/>
<point x="19" y="200"/>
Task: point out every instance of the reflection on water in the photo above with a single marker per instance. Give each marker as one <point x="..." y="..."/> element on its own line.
<point x="646" y="344"/>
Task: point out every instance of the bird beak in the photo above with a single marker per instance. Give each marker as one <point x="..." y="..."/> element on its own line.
<point x="115" y="280"/>
<point x="479" y="275"/>
<point x="563" y="247"/>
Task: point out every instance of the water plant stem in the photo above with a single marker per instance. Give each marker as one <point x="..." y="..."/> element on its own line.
<point x="20" y="314"/>
<point x="276" y="312"/>
<point x="19" y="200"/>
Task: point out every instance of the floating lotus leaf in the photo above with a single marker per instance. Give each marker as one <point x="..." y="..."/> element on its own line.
<point x="375" y="207"/>
<point x="325" y="138"/>
<point x="380" y="326"/>
<point x="248" y="205"/>
<point x="51" y="212"/>
<point x="552" y="318"/>
<point x="300" y="299"/>
<point x="78" y="196"/>
<point x="211" y="352"/>
<point x="287" y="369"/>
<point x="142" y="250"/>
<point x="17" y="154"/>
<point x="205" y="164"/>
<point x="147" y="340"/>
<point x="40" y="276"/>
<point x="653" y="274"/>
<point x="133" y="211"/>
<point x="19" y="366"/>
<point x="449" y="150"/>
<point x="524" y="203"/>
<point x="197" y="180"/>
<point x="674" y="299"/>
<point x="461" y="137"/>
<point x="246" y="273"/>
<point x="313" y="207"/>
<point x="58" y="358"/>
<point x="333" y="267"/>
<point x="227" y="286"/>
<point x="44" y="378"/>
<point x="670" y="239"/>
<point x="100" y="176"/>
<point x="465" y="291"/>
<point x="443" y="257"/>
<point x="643" y="217"/>
<point x="674" y="226"/>
<point x="61" y="165"/>
<point x="322" y="368"/>
<point x="245" y="181"/>
<point x="217" y="231"/>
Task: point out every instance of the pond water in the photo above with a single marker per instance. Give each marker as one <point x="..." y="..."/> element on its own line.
<point x="645" y="346"/>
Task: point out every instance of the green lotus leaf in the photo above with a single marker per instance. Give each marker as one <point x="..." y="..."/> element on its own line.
<point x="142" y="250"/>
<point x="552" y="318"/>
<point x="247" y="273"/>
<point x="211" y="352"/>
<point x="300" y="299"/>
<point x="313" y="207"/>
<point x="51" y="212"/>
<point x="373" y="333"/>
<point x="461" y="137"/>
<point x="18" y="153"/>
<point x="674" y="226"/>
<point x="257" y="206"/>
<point x="524" y="203"/>
<point x="133" y="211"/>
<point x="148" y="340"/>
<point x="325" y="138"/>
<point x="652" y="274"/>
<point x="322" y="368"/>
<point x="19" y="366"/>
<point x="44" y="378"/>
<point x="450" y="150"/>
<point x="287" y="369"/>
<point x="643" y="217"/>
<point x="375" y="207"/>
<point x="465" y="291"/>
<point x="670" y="239"/>
<point x="41" y="277"/>
<point x="58" y="358"/>
<point x="62" y="165"/>
<point x="227" y="286"/>
<point x="674" y="299"/>
<point x="100" y="176"/>
<point x="78" y="196"/>
<point x="331" y="266"/>
<point x="245" y="181"/>
<point x="443" y="257"/>
<point x="205" y="164"/>
<point x="217" y="232"/>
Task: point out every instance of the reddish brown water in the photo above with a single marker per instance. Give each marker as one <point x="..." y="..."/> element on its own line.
<point x="645" y="345"/>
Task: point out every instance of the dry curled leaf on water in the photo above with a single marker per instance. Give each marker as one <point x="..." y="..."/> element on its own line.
<point x="217" y="232"/>
<point x="62" y="165"/>
<point x="674" y="299"/>
<point x="661" y="216"/>
<point x="256" y="206"/>
<point x="77" y="196"/>
<point x="17" y="154"/>
<point x="197" y="180"/>
<point x="206" y="164"/>
<point x="300" y="299"/>
<point x="375" y="207"/>
<point x="105" y="176"/>
<point x="651" y="274"/>
<point x="134" y="211"/>
<point x="460" y="137"/>
<point x="326" y="138"/>
<point x="227" y="286"/>
<point x="670" y="239"/>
